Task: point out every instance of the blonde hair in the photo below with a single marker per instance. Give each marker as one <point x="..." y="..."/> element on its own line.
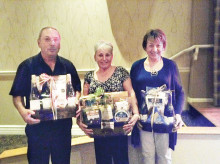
<point x="103" y="45"/>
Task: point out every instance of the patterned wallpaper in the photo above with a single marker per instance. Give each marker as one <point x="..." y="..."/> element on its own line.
<point x="83" y="22"/>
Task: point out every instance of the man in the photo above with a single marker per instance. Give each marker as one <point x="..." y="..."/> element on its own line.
<point x="45" y="138"/>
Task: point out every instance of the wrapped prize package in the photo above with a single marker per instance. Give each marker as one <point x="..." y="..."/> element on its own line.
<point x="157" y="112"/>
<point x="52" y="97"/>
<point x="106" y="113"/>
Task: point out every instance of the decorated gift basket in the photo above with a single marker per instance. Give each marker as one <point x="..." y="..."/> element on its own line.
<point x="52" y="97"/>
<point x="157" y="112"/>
<point x="106" y="113"/>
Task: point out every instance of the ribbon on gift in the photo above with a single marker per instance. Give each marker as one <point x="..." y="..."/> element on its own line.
<point x="46" y="78"/>
<point x="155" y="91"/>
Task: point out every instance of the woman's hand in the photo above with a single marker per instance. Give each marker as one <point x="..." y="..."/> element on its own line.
<point x="178" y="122"/>
<point x="84" y="128"/>
<point x="128" y="127"/>
<point x="128" y="87"/>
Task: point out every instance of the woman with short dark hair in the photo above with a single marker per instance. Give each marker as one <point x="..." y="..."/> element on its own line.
<point x="155" y="72"/>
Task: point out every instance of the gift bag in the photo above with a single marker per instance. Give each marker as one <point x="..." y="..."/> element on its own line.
<point x="52" y="97"/>
<point x="106" y="113"/>
<point x="157" y="112"/>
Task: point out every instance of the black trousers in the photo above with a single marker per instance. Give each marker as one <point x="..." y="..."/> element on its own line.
<point x="49" y="138"/>
<point x="111" y="148"/>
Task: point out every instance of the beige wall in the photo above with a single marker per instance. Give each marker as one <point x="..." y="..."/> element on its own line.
<point x="8" y="114"/>
<point x="202" y="33"/>
<point x="83" y="22"/>
<point x="204" y="151"/>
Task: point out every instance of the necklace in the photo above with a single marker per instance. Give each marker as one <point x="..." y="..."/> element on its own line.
<point x="154" y="73"/>
<point x="153" y="69"/>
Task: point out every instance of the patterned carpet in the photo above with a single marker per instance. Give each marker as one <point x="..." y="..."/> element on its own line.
<point x="12" y="142"/>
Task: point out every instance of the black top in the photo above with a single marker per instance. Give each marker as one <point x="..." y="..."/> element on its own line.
<point x="36" y="66"/>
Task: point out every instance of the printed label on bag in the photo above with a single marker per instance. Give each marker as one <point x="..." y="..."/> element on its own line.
<point x="121" y="116"/>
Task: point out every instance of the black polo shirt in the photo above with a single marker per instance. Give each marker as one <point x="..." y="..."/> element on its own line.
<point x="36" y="66"/>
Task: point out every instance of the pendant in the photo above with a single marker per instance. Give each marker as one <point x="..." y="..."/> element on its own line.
<point x="154" y="73"/>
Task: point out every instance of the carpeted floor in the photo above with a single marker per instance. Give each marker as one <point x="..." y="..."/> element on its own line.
<point x="191" y="117"/>
<point x="12" y="142"/>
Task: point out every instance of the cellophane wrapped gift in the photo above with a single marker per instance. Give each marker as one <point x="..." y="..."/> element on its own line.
<point x="106" y="113"/>
<point x="52" y="97"/>
<point x="157" y="112"/>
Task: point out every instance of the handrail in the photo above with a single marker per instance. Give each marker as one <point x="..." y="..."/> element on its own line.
<point x="195" y="55"/>
<point x="7" y="72"/>
<point x="196" y="47"/>
<point x="80" y="71"/>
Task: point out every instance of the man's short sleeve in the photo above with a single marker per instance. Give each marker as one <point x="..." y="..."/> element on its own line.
<point x="22" y="81"/>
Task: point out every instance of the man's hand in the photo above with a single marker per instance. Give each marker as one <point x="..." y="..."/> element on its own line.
<point x="25" y="113"/>
<point x="78" y="111"/>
